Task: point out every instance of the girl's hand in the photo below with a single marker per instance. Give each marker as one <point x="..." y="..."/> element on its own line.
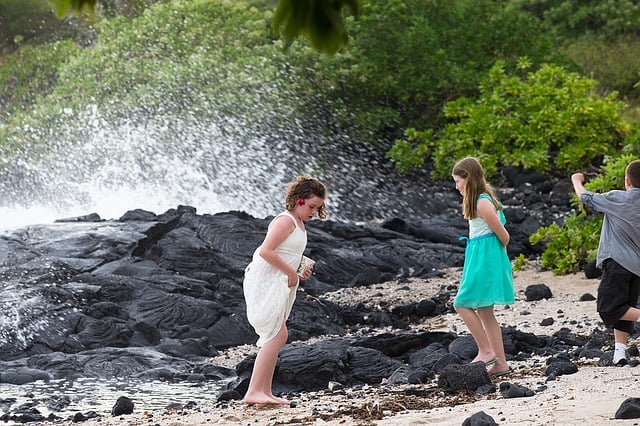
<point x="306" y="274"/>
<point x="294" y="279"/>
<point x="487" y="211"/>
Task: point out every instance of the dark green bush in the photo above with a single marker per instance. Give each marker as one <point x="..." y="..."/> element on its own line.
<point x="31" y="73"/>
<point x="570" y="19"/>
<point x="413" y="56"/>
<point x="614" y="63"/>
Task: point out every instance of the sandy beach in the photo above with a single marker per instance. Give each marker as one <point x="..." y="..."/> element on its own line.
<point x="589" y="397"/>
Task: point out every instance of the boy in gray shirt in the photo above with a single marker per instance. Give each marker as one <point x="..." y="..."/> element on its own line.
<point x="618" y="255"/>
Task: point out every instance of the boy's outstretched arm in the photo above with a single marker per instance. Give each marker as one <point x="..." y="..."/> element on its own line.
<point x="577" y="180"/>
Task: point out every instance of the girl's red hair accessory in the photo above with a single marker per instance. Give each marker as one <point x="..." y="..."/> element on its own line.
<point x="300" y="202"/>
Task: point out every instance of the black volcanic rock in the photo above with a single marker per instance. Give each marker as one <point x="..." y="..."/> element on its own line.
<point x="163" y="292"/>
<point x="156" y="296"/>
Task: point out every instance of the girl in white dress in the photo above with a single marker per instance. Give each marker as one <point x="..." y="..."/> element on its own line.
<point x="271" y="281"/>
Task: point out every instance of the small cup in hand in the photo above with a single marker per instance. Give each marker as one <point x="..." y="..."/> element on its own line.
<point x="304" y="264"/>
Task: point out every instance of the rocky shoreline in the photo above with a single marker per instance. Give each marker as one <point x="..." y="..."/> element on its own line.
<point x="593" y="393"/>
<point x="159" y="297"/>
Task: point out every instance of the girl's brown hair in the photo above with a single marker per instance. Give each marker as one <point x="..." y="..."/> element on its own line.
<point x="305" y="187"/>
<point x="469" y="168"/>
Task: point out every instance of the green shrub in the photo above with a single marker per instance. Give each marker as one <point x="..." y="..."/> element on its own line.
<point x="203" y="53"/>
<point x="519" y="262"/>
<point x="570" y="19"/>
<point x="200" y="58"/>
<point x="570" y="246"/>
<point x="548" y="120"/>
<point x="404" y="60"/>
<point x="614" y="63"/>
<point x="31" y="73"/>
<point x="413" y="56"/>
<point x="33" y="22"/>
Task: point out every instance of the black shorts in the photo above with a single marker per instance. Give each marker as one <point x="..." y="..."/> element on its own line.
<point x="618" y="291"/>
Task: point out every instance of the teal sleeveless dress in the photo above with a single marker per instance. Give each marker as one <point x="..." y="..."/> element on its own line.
<point x="487" y="278"/>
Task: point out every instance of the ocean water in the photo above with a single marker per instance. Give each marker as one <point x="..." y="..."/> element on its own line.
<point x="22" y="308"/>
<point x="65" y="398"/>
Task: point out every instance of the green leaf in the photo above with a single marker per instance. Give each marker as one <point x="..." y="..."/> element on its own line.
<point x="62" y="7"/>
<point x="319" y="21"/>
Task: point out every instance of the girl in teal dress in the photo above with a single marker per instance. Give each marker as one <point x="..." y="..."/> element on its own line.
<point x="487" y="278"/>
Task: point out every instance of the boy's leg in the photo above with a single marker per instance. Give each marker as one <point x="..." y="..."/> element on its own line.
<point x="617" y="300"/>
<point x="618" y="296"/>
<point x="632" y="314"/>
<point x="620" y="349"/>
<point x="626" y="325"/>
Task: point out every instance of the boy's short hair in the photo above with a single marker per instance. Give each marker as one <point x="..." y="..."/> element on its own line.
<point x="633" y="173"/>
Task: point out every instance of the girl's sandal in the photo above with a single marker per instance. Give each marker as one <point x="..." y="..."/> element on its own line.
<point x="491" y="362"/>
<point x="501" y="373"/>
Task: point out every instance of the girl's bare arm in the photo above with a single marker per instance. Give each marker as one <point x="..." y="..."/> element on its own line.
<point x="487" y="211"/>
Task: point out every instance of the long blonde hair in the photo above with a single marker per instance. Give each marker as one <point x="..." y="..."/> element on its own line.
<point x="469" y="168"/>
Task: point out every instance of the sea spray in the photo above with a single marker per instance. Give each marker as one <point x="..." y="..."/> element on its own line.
<point x="21" y="315"/>
<point x="155" y="164"/>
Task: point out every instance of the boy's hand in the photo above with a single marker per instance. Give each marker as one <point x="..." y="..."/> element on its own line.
<point x="577" y="177"/>
<point x="576" y="180"/>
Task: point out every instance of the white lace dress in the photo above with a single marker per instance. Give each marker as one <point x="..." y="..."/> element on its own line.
<point x="266" y="292"/>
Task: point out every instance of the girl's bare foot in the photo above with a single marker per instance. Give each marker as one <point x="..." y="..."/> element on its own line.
<point x="280" y="401"/>
<point x="262" y="399"/>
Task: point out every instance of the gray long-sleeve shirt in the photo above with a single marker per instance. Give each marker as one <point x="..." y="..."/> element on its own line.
<point x="620" y="235"/>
